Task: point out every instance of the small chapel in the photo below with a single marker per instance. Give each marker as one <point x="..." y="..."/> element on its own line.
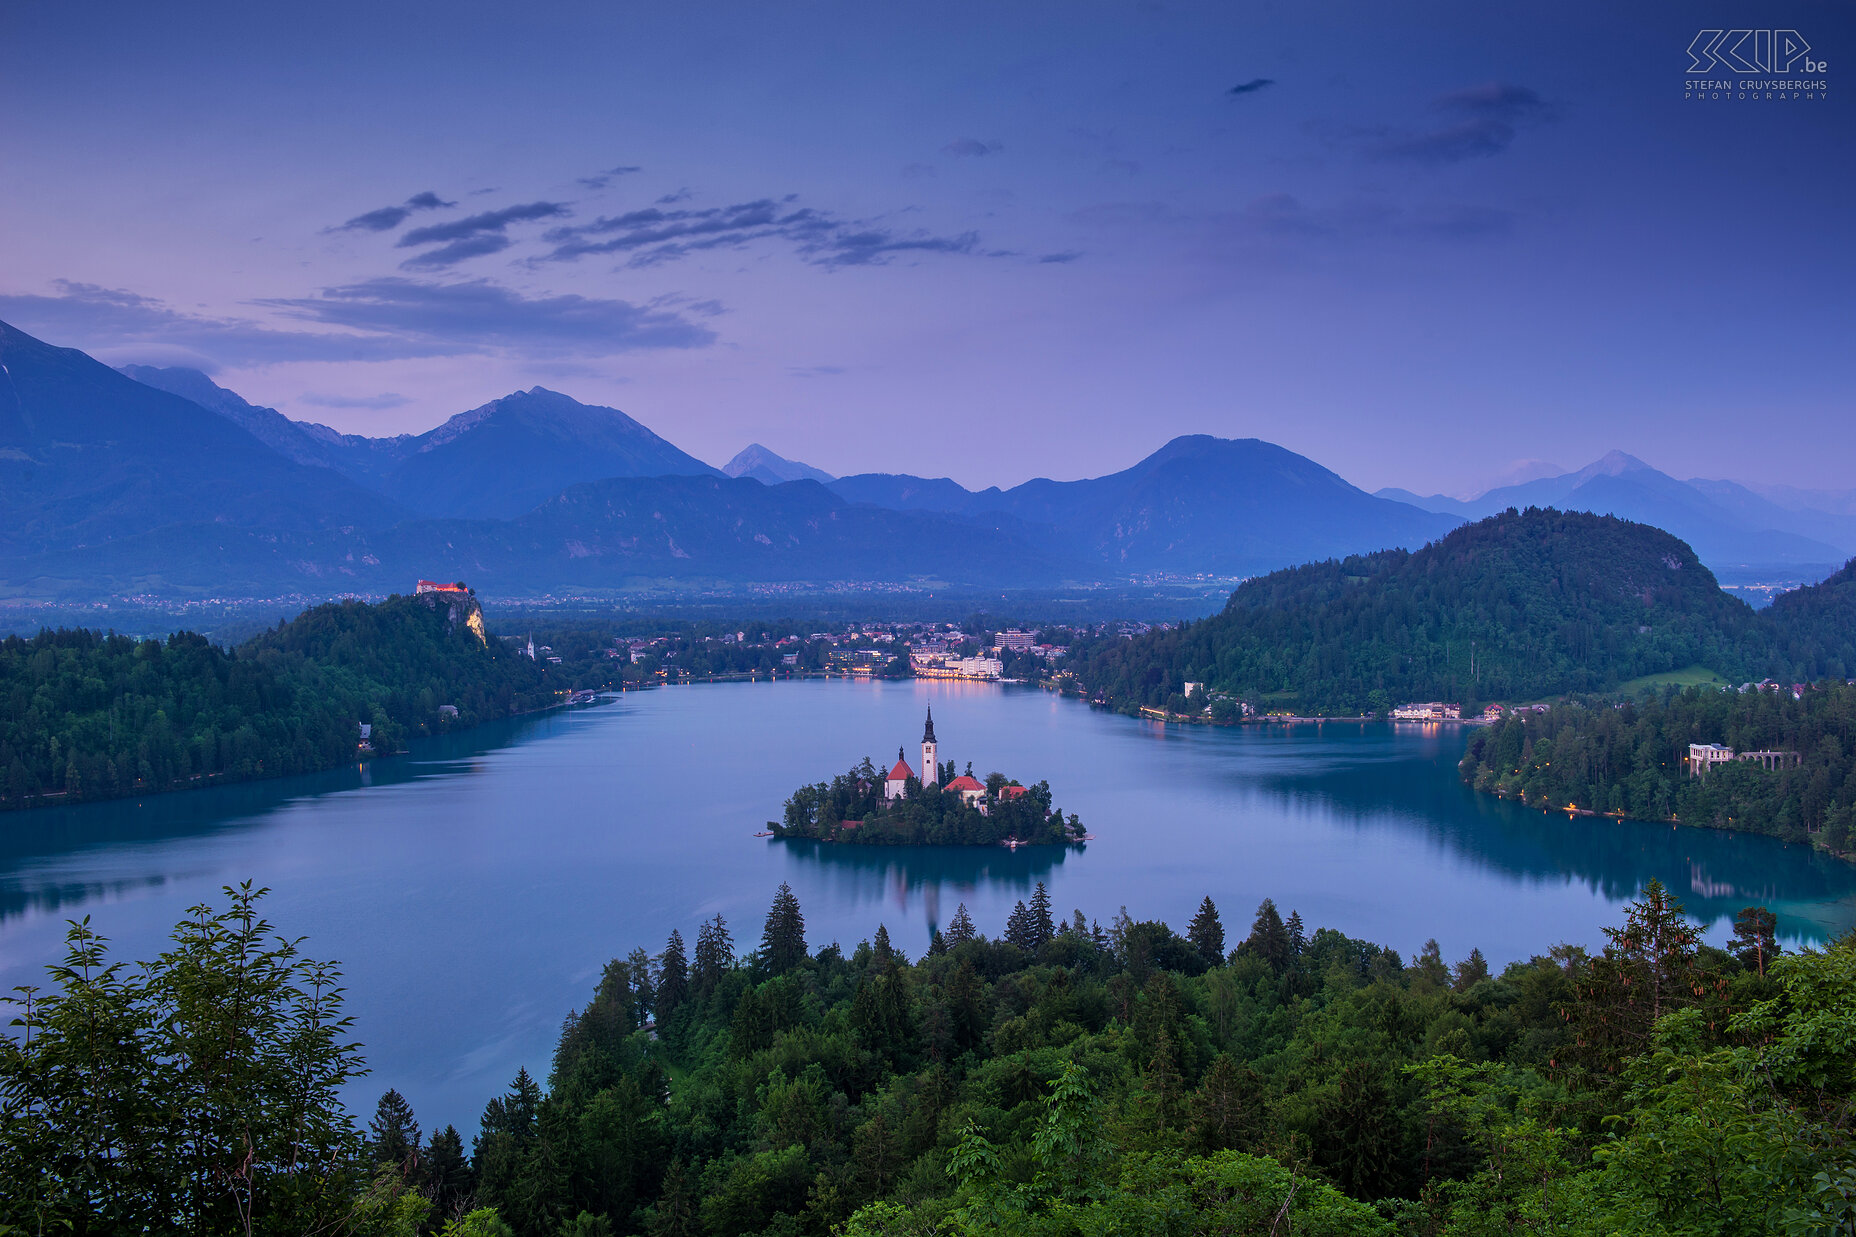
<point x="896" y="785"/>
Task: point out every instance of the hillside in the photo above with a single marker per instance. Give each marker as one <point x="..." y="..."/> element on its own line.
<point x="513" y="453"/>
<point x="1516" y="607"/>
<point x="355" y="456"/>
<point x="88" y="455"/>
<point x="91" y="716"/>
<point x="1814" y="628"/>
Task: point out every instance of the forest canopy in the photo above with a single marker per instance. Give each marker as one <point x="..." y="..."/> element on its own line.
<point x="95" y="716"/>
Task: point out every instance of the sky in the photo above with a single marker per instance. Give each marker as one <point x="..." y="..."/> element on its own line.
<point x="1421" y="244"/>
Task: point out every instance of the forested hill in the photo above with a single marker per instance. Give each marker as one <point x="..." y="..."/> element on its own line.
<point x="1814" y="628"/>
<point x="1518" y="606"/>
<point x="95" y="716"/>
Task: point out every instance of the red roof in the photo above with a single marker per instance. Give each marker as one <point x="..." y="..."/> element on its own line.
<point x="965" y="782"/>
<point x="849" y="824"/>
<point x="1013" y="792"/>
<point x="901" y="773"/>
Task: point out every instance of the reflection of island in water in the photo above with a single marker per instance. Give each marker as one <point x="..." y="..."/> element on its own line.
<point x="1714" y="872"/>
<point x="29" y="839"/>
<point x="940" y="876"/>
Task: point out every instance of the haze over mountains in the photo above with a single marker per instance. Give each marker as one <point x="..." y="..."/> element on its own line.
<point x="159" y="481"/>
<point x="1732" y="527"/>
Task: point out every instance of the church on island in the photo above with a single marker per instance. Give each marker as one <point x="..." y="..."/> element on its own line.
<point x="970" y="789"/>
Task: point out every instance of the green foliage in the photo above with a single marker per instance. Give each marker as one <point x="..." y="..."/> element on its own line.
<point x="196" y="1093"/>
<point x="928" y="815"/>
<point x="1631" y="760"/>
<point x="90" y="716"/>
<point x="1515" y="607"/>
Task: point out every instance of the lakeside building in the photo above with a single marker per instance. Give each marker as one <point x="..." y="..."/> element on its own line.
<point x="896" y="785"/>
<point x="1705" y="756"/>
<point x="930" y="665"/>
<point x="1431" y="711"/>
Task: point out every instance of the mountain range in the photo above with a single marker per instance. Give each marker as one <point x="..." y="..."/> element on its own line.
<point x="160" y="481"/>
<point x="1732" y="527"/>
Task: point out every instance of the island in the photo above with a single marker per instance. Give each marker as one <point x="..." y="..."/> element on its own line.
<point x="867" y="807"/>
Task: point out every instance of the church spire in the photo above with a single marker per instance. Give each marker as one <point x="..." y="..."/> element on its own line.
<point x="928" y="731"/>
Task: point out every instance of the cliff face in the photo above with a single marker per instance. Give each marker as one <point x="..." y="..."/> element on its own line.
<point x="461" y="607"/>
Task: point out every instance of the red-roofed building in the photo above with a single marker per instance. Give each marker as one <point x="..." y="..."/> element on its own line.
<point x="968" y="788"/>
<point x="1013" y="792"/>
<point x="433" y="586"/>
<point x="896" y="785"/>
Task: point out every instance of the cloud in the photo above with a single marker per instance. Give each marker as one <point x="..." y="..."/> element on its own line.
<point x="1282" y="217"/>
<point x="654" y="235"/>
<point x="389" y="217"/>
<point x="131" y="326"/>
<point x="456" y="252"/>
<point x="1487" y="118"/>
<point x="814" y="371"/>
<point x="1068" y="255"/>
<point x="492" y="221"/>
<point x="1251" y="87"/>
<point x="970" y="147"/>
<point x="376" y="403"/>
<point x="479" y="315"/>
<point x="600" y="180"/>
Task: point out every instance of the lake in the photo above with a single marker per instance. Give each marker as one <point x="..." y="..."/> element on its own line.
<point x="474" y="889"/>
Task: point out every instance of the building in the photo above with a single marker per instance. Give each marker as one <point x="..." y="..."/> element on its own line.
<point x="1017" y="641"/>
<point x="931" y="771"/>
<point x="969" y="788"/>
<point x="1431" y="711"/>
<point x="896" y="785"/>
<point x="1772" y="760"/>
<point x="433" y="586"/>
<point x="1704" y="756"/>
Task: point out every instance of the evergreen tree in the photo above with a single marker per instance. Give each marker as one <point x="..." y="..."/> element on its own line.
<point x="1224" y="1113"/>
<point x="1019" y="930"/>
<point x="1470" y="971"/>
<point x="1298" y="939"/>
<point x="643" y="992"/>
<point x="1043" y="930"/>
<point x="1269" y="937"/>
<point x="393" y="1134"/>
<point x="783" y="940"/>
<point x="1206" y="932"/>
<point x="673" y="976"/>
<point x="1755" y="940"/>
<point x="447" y="1172"/>
<point x="715" y="954"/>
<point x="960" y="928"/>
<point x="675" y="1214"/>
<point x="882" y="948"/>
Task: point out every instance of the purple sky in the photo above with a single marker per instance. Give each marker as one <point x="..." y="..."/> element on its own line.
<point x="1417" y="243"/>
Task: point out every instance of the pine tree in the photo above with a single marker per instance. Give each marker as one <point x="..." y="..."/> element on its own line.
<point x="1018" y="929"/>
<point x="673" y="976"/>
<point x="675" y="1214"/>
<point x="882" y="949"/>
<point x="1470" y="971"/>
<point x="1755" y="942"/>
<point x="1298" y="939"/>
<point x="1042" y="929"/>
<point x="643" y="987"/>
<point x="715" y="954"/>
<point x="1206" y="932"/>
<point x="393" y="1134"/>
<point x="783" y="940"/>
<point x="1269" y="938"/>
<point x="447" y="1172"/>
<point x="1224" y="1108"/>
<point x="960" y="928"/>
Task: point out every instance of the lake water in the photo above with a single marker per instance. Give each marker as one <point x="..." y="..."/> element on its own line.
<point x="474" y="889"/>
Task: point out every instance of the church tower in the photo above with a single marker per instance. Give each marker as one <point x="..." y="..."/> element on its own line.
<point x="931" y="772"/>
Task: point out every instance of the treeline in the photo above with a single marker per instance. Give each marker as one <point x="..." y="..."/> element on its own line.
<point x="933" y="816"/>
<point x="1519" y="606"/>
<point x="1066" y="1079"/>
<point x="95" y="716"/>
<point x="1631" y="759"/>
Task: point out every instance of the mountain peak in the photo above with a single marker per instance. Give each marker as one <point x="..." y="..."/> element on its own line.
<point x="770" y="468"/>
<point x="1612" y="464"/>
